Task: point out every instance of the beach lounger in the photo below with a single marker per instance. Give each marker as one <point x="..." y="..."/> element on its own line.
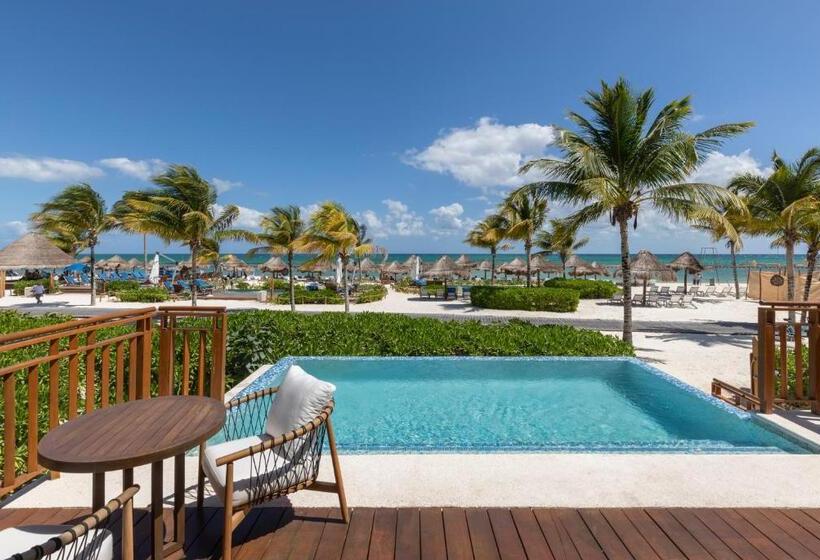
<point x="664" y="290"/>
<point x="203" y="287"/>
<point x="679" y="290"/>
<point x="465" y="293"/>
<point x="617" y="298"/>
<point x="674" y="299"/>
<point x="710" y="291"/>
<point x="653" y="300"/>
<point x="724" y="292"/>
<point x="637" y="299"/>
<point x="687" y="301"/>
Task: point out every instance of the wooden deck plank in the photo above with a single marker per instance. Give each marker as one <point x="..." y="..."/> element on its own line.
<point x="794" y="529"/>
<point x="557" y="538"/>
<point x="506" y="535"/>
<point x="682" y="538"/>
<point x="734" y="540"/>
<point x="653" y="535"/>
<point x="456" y="534"/>
<point x="306" y="540"/>
<point x="629" y="535"/>
<point x="785" y="541"/>
<point x="535" y="545"/>
<point x="358" y="534"/>
<point x="431" y="531"/>
<point x="383" y="536"/>
<point x="332" y="542"/>
<point x="481" y="535"/>
<point x="757" y="539"/>
<point x="704" y="535"/>
<point x="608" y="540"/>
<point x="408" y="539"/>
<point x="582" y="538"/>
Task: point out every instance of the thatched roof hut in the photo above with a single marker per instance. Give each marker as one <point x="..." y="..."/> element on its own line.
<point x="274" y="264"/>
<point x="465" y="262"/>
<point x="540" y="264"/>
<point x="115" y="261"/>
<point x="34" y="251"/>
<point x="687" y="262"/>
<point x="316" y="266"/>
<point x="134" y="263"/>
<point x="443" y="268"/>
<point x="367" y="265"/>
<point x="484" y="266"/>
<point x="515" y="266"/>
<point x="395" y="267"/>
<point x="232" y="261"/>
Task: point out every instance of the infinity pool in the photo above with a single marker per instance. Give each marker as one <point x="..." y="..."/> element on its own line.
<point x="527" y="404"/>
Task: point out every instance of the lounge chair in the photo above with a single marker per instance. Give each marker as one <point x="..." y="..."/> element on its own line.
<point x="637" y="299"/>
<point x="679" y="290"/>
<point x="709" y="292"/>
<point x="89" y="540"/>
<point x="724" y="292"/>
<point x="617" y="298"/>
<point x="465" y="293"/>
<point x="653" y="299"/>
<point x="687" y="301"/>
<point x="280" y="456"/>
<point x="203" y="287"/>
<point x="674" y="299"/>
<point x="664" y="290"/>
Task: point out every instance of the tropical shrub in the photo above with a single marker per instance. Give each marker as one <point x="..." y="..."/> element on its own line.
<point x="304" y="296"/>
<point x="145" y="295"/>
<point x="528" y="299"/>
<point x="588" y="289"/>
<point x="122" y="285"/>
<point x="261" y="337"/>
<point x="368" y="293"/>
<point x="21" y="285"/>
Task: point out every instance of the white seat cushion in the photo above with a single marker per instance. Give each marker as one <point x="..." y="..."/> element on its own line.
<point x="300" y="399"/>
<point x="98" y="544"/>
<point x="253" y="477"/>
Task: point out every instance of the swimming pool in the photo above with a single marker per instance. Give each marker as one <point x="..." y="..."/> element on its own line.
<point x="527" y="404"/>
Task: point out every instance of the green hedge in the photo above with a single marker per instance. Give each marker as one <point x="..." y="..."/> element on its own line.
<point x="262" y="337"/>
<point x="303" y="296"/>
<point x="21" y="285"/>
<point x="121" y="285"/>
<point x="589" y="289"/>
<point x="528" y="299"/>
<point x="145" y="295"/>
<point x="369" y="293"/>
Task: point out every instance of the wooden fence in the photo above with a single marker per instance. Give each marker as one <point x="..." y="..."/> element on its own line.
<point x="53" y="373"/>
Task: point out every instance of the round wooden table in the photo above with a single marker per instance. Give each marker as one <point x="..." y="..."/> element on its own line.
<point x="130" y="435"/>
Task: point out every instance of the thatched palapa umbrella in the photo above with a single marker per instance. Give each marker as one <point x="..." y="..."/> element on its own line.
<point x="539" y="264"/>
<point x="516" y="266"/>
<point x="485" y="267"/>
<point x="645" y="265"/>
<point x="443" y="268"/>
<point x="688" y="263"/>
<point x="115" y="261"/>
<point x="274" y="264"/>
<point x="134" y="263"/>
<point x="32" y="251"/>
<point x="464" y="261"/>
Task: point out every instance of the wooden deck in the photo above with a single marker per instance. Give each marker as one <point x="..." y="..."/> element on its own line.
<point x="433" y="533"/>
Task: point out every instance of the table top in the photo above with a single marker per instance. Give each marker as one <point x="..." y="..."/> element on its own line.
<point x="131" y="434"/>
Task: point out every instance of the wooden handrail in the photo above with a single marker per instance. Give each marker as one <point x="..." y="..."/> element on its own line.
<point x="74" y="367"/>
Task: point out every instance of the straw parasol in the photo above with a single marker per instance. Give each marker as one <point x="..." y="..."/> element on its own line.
<point x="645" y="265"/>
<point x="315" y="266"/>
<point x="485" y="267"/>
<point x="516" y="266"/>
<point x="367" y="265"/>
<point x="443" y="268"/>
<point x="274" y="264"/>
<point x="687" y="262"/>
<point x="465" y="262"/>
<point x="599" y="269"/>
<point x="33" y="251"/>
<point x="538" y="265"/>
<point x="85" y="260"/>
<point x="115" y="261"/>
<point x="395" y="267"/>
<point x="135" y="263"/>
<point x="233" y="261"/>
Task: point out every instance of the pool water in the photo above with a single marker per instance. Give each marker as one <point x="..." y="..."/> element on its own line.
<point x="527" y="404"/>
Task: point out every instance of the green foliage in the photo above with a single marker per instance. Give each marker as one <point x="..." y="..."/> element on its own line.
<point x="309" y="296"/>
<point x="368" y="293"/>
<point x="145" y="295"/>
<point x="588" y="289"/>
<point x="528" y="299"/>
<point x="122" y="285"/>
<point x="261" y="337"/>
<point x="21" y="285"/>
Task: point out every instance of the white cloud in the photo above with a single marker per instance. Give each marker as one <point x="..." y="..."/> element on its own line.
<point x="719" y="169"/>
<point x="47" y="169"/>
<point x="399" y="220"/>
<point x="249" y="218"/>
<point x="224" y="185"/>
<point x="487" y="155"/>
<point x="16" y="227"/>
<point x="450" y="219"/>
<point x="142" y="169"/>
<point x="309" y="210"/>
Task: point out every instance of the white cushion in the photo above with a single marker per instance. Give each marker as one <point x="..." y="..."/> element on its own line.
<point x="300" y="399"/>
<point x="98" y="544"/>
<point x="253" y="477"/>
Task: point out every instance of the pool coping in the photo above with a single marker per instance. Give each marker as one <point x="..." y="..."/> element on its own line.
<point x="779" y="424"/>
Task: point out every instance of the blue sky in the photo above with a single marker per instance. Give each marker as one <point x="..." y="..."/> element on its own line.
<point x="413" y="114"/>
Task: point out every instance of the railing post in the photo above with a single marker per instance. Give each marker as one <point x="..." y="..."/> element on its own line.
<point x="814" y="360"/>
<point x="144" y="353"/>
<point x="166" y="354"/>
<point x="766" y="350"/>
<point x="219" y="342"/>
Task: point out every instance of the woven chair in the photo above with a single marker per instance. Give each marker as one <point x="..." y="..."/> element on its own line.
<point x="259" y="469"/>
<point x="89" y="540"/>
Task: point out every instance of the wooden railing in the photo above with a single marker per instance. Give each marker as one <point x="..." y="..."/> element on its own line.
<point x="53" y="373"/>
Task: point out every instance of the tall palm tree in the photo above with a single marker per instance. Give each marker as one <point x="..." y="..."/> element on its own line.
<point x="282" y="233"/>
<point x="362" y="240"/>
<point x="182" y="208"/>
<point x="621" y="161"/>
<point x="334" y="233"/>
<point x="75" y="218"/>
<point x="562" y="239"/>
<point x="782" y="202"/>
<point x="130" y="219"/>
<point x="489" y="233"/>
<point x="525" y="212"/>
<point x="810" y="235"/>
<point x="727" y="223"/>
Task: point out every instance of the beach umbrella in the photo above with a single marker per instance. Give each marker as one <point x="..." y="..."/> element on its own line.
<point x="153" y="276"/>
<point x="516" y="266"/>
<point x="134" y="263"/>
<point x="32" y="251"/>
<point x="465" y="261"/>
<point x="395" y="268"/>
<point x="315" y="266"/>
<point x="115" y="261"/>
<point x="85" y="260"/>
<point x="538" y="265"/>
<point x="274" y="264"/>
<point x="76" y="267"/>
<point x="687" y="262"/>
<point x="599" y="269"/>
<point x="443" y="268"/>
<point x="645" y="265"/>
<point x="485" y="267"/>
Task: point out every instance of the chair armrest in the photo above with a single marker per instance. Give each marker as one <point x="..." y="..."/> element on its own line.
<point x="279" y="440"/>
<point x="233" y="403"/>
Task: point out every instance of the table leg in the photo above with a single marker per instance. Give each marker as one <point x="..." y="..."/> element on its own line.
<point x="156" y="511"/>
<point x="98" y="491"/>
<point x="179" y="499"/>
<point x="127" y="478"/>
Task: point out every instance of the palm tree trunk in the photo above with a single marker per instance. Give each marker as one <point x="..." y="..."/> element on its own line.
<point x="492" y="272"/>
<point x="344" y="284"/>
<point x="193" y="275"/>
<point x="145" y="252"/>
<point x="811" y="262"/>
<point x="734" y="269"/>
<point x="93" y="264"/>
<point x="626" y="273"/>
<point x="790" y="275"/>
<point x="564" y="267"/>
<point x="290" y="282"/>
<point x="527" y="250"/>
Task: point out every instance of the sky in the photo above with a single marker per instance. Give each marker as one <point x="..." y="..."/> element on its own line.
<point x="415" y="115"/>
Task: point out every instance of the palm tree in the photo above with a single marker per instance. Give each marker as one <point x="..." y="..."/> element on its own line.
<point x="334" y="233"/>
<point x="282" y="233"/>
<point x="488" y="234"/>
<point x="810" y="235"/>
<point x="728" y="222"/>
<point x="525" y="212"/>
<point x="560" y="239"/>
<point x="783" y="202"/>
<point x="362" y="240"/>
<point x="620" y="161"/>
<point x="130" y="219"/>
<point x="182" y="208"/>
<point x="75" y="219"/>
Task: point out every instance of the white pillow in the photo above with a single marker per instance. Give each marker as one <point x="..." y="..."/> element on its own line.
<point x="300" y="399"/>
